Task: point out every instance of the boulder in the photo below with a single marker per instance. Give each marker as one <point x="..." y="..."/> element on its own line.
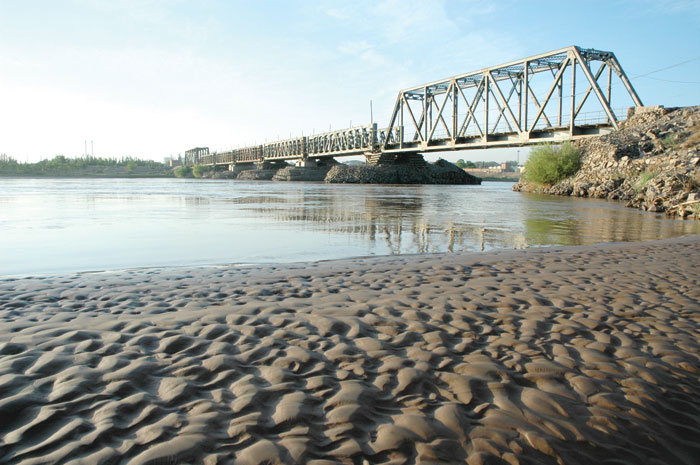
<point x="440" y="172"/>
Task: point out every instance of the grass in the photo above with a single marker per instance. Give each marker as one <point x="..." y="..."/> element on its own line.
<point x="693" y="138"/>
<point x="693" y="181"/>
<point x="685" y="139"/>
<point x="671" y="141"/>
<point x="696" y="210"/>
<point x="549" y="164"/>
<point x="643" y="179"/>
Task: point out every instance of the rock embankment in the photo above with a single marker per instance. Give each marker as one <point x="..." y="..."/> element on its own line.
<point x="301" y="173"/>
<point x="440" y="172"/>
<point x="652" y="162"/>
<point x="257" y="175"/>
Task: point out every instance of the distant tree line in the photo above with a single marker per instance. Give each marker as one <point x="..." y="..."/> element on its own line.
<point x="83" y="166"/>
<point x="483" y="164"/>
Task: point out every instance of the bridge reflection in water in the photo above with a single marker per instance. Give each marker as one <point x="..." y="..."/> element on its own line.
<point x="429" y="219"/>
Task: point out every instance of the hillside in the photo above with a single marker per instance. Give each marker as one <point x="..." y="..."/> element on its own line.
<point x="652" y="163"/>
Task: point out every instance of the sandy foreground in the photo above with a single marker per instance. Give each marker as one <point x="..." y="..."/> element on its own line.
<point x="563" y="355"/>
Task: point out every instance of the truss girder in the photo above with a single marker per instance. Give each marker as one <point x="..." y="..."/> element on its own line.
<point x="494" y="102"/>
<point x="352" y="141"/>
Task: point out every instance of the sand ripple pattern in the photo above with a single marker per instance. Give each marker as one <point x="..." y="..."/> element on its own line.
<point x="556" y="356"/>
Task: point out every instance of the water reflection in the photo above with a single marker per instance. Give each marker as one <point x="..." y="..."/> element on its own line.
<point x="424" y="219"/>
<point x="68" y="225"/>
<point x="567" y="221"/>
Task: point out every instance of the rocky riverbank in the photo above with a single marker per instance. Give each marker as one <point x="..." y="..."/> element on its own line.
<point x="652" y="162"/>
<point x="257" y="175"/>
<point x="301" y="173"/>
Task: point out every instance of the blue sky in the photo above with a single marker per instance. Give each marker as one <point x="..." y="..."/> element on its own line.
<point x="152" y="78"/>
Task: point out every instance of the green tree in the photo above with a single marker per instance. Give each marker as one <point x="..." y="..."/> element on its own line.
<point x="465" y="164"/>
<point x="200" y="171"/>
<point x="182" y="171"/>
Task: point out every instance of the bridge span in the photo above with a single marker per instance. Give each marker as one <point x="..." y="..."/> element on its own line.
<point x="524" y="102"/>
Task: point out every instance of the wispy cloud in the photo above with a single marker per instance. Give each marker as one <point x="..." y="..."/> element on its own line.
<point x="254" y="72"/>
<point x="364" y="51"/>
<point x="667" y="7"/>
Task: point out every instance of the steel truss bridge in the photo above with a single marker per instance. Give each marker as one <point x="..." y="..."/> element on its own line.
<point x="520" y="103"/>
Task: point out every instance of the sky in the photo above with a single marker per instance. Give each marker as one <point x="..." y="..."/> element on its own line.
<point x="153" y="78"/>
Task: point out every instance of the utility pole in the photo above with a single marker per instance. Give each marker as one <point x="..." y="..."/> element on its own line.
<point x="371" y="113"/>
<point x="92" y="149"/>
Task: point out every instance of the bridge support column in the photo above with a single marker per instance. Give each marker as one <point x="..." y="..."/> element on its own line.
<point x="271" y="164"/>
<point x="322" y="162"/>
<point x="241" y="166"/>
<point x="410" y="158"/>
<point x="306" y="162"/>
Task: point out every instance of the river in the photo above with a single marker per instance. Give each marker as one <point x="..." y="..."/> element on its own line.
<point x="66" y="225"/>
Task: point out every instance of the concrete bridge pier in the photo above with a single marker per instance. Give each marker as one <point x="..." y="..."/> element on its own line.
<point x="241" y="166"/>
<point x="270" y="164"/>
<point x="408" y="158"/>
<point x="306" y="163"/>
<point x="327" y="161"/>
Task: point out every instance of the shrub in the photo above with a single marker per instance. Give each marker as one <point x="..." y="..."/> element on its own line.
<point x="200" y="171"/>
<point x="182" y="171"/>
<point x="550" y="164"/>
<point x="670" y="142"/>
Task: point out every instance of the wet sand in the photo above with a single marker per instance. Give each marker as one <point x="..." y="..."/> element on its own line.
<point x="551" y="356"/>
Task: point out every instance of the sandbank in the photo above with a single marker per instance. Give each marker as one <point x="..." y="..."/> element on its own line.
<point x="551" y="356"/>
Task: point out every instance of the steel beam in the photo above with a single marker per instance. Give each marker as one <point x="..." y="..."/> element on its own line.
<point x="596" y="88"/>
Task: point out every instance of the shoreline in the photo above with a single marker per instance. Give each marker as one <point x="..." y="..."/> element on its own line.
<point x="263" y="266"/>
<point x="557" y="354"/>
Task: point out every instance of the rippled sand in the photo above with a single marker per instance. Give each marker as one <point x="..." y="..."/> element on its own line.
<point x="574" y="356"/>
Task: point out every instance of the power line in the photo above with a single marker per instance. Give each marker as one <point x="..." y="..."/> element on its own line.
<point x="670" y="80"/>
<point x="664" y="69"/>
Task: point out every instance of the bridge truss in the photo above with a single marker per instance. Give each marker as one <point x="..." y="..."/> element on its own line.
<point x="529" y="101"/>
<point x="500" y="105"/>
